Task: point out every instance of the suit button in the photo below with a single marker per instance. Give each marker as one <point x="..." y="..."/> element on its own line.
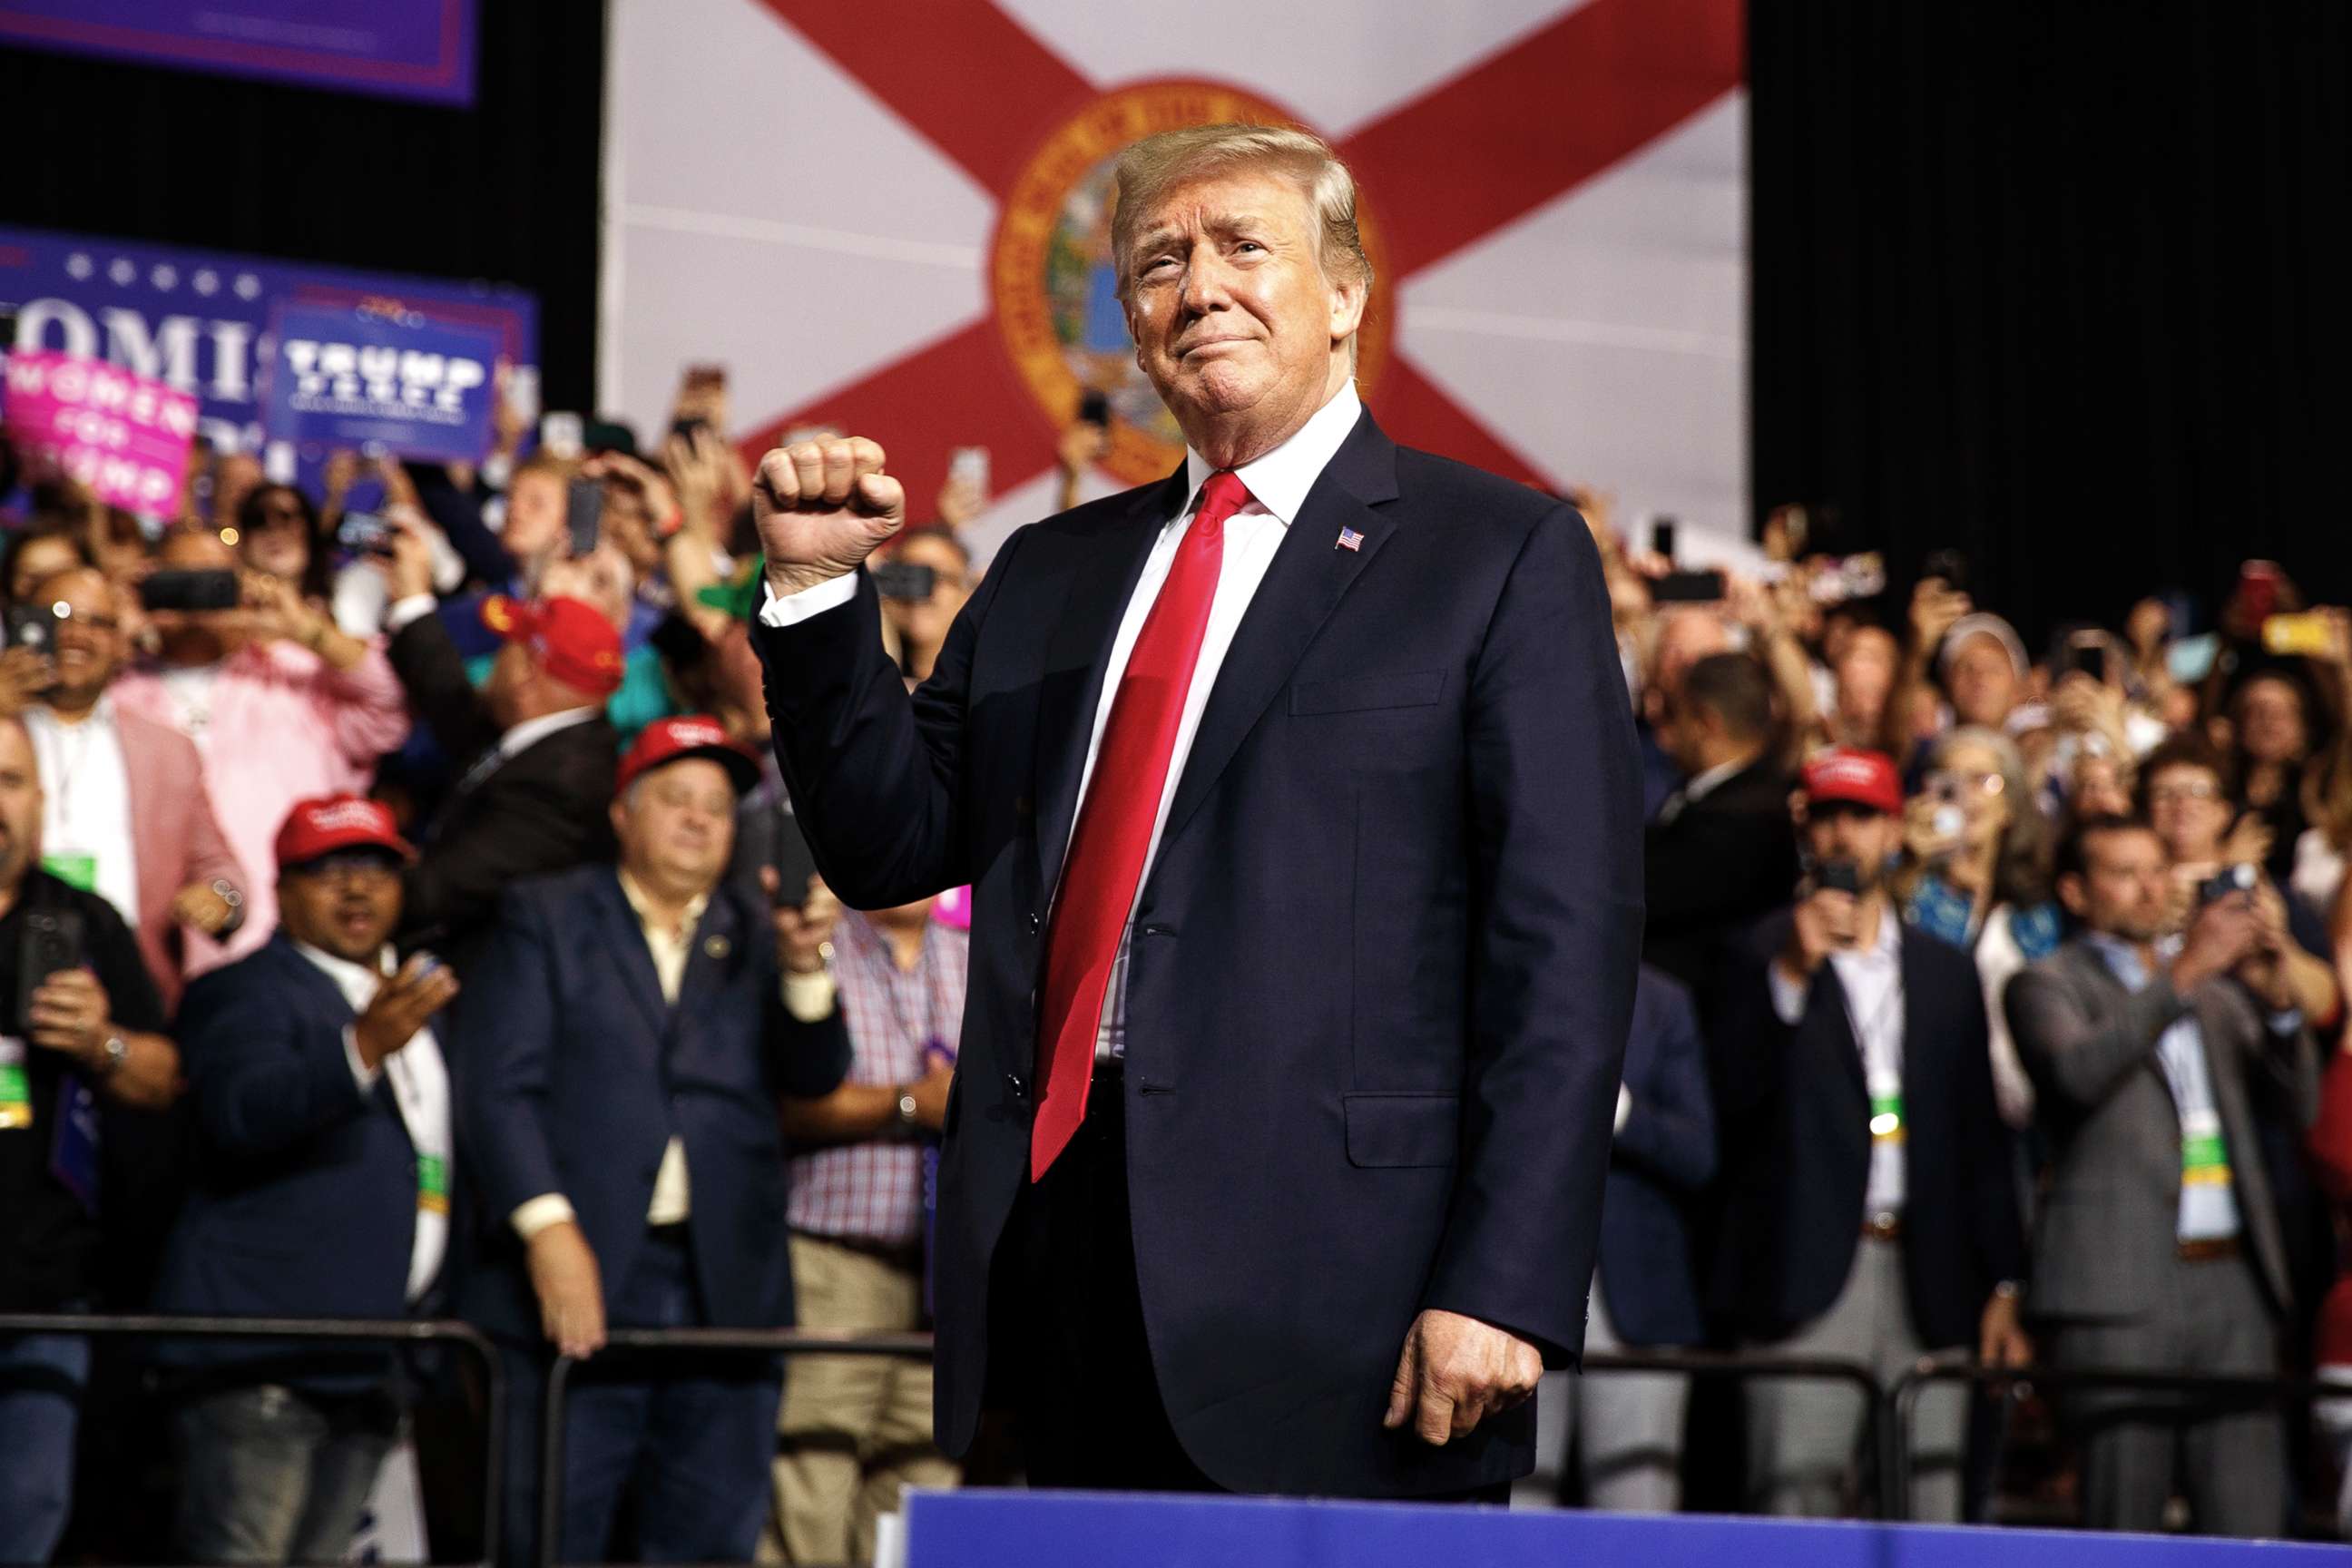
<point x="1018" y="1085"/>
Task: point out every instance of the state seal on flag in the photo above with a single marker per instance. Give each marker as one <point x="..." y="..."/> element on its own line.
<point x="1057" y="291"/>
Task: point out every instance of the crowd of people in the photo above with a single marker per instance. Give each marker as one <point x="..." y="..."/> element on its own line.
<point x="402" y="915"/>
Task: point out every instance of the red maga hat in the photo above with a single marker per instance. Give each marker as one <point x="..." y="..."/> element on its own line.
<point x="571" y="638"/>
<point x="318" y="827"/>
<point x="694" y="735"/>
<point x="1857" y="777"/>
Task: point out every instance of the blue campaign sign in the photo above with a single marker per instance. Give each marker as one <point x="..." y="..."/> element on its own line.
<point x="1076" y="1529"/>
<point x="377" y="376"/>
<point x="200" y="320"/>
<point x="401" y="48"/>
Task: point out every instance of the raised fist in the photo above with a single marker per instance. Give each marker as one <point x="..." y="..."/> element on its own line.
<point x="822" y="507"/>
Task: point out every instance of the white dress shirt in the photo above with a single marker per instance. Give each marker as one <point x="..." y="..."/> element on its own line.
<point x="86" y="802"/>
<point x="420" y="1088"/>
<point x="1872" y="978"/>
<point x="1277" y="484"/>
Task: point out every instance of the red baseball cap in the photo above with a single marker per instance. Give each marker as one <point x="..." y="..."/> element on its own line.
<point x="1858" y="777"/>
<point x="571" y="638"/>
<point x="694" y="735"/>
<point x="318" y="827"/>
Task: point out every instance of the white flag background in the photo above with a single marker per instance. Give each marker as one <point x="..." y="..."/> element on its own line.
<point x="888" y="214"/>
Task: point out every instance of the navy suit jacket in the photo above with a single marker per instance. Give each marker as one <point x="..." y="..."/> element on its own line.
<point x="1382" y="968"/>
<point x="572" y="1074"/>
<point x="1796" y="1109"/>
<point x="1664" y="1153"/>
<point x="303" y="1202"/>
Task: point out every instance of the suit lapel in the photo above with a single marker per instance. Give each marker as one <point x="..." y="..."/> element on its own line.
<point x="632" y="959"/>
<point x="1094" y="595"/>
<point x="1841" y="1009"/>
<point x="1308" y="578"/>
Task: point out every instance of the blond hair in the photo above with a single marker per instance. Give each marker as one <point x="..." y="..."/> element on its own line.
<point x="1152" y="167"/>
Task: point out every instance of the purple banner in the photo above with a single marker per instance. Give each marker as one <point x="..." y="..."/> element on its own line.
<point x="399" y="48"/>
<point x="200" y="320"/>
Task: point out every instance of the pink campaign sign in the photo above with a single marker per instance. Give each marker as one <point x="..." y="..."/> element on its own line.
<point x="123" y="435"/>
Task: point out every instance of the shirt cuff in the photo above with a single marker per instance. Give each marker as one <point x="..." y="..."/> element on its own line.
<point x="2288" y="1021"/>
<point x="1787" y="997"/>
<point x="1624" y="1108"/>
<point x="414" y="607"/>
<point x="362" y="1074"/>
<point x="791" y="609"/>
<point x="809" y="997"/>
<point x="534" y="1214"/>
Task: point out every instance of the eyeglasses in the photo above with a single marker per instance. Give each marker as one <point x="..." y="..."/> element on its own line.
<point x="2173" y="794"/>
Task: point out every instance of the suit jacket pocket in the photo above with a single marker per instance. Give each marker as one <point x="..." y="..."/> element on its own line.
<point x="1417" y="689"/>
<point x="1387" y="1130"/>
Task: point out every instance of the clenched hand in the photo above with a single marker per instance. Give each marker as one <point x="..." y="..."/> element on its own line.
<point x="1455" y="1372"/>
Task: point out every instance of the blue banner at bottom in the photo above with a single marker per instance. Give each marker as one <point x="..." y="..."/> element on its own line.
<point x="1075" y="1530"/>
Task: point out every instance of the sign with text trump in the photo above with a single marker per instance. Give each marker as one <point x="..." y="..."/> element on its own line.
<point x="380" y="376"/>
<point x="125" y="437"/>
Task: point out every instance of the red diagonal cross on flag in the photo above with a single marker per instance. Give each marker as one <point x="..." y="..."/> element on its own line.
<point x="1499" y="139"/>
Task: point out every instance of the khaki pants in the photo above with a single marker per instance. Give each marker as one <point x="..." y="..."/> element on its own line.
<point x="853" y="1430"/>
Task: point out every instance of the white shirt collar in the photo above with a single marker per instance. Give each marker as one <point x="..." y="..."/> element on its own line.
<point x="530" y="731"/>
<point x="1279" y="481"/>
<point x="1714" y="778"/>
<point x="357" y="982"/>
<point x="100" y="716"/>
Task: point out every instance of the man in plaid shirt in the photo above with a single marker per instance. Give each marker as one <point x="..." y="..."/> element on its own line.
<point x="853" y="1432"/>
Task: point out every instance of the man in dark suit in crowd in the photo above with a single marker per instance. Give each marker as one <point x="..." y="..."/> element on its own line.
<point x="1298" y="795"/>
<point x="2158" y="1245"/>
<point x="1627" y="1427"/>
<point x="321" y="1190"/>
<point x="1869" y="1212"/>
<point x="619" y="1062"/>
<point x="1720" y="853"/>
<point x="538" y="750"/>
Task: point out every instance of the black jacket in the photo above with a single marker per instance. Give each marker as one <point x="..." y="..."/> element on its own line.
<point x="543" y="810"/>
<point x="1713" y="869"/>
<point x="1796" y="1119"/>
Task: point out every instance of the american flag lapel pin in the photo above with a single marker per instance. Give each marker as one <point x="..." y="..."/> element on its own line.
<point x="1349" y="540"/>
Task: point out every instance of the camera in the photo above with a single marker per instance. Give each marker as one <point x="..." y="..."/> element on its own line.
<point x="364" y="533"/>
<point x="34" y="626"/>
<point x="50" y="944"/>
<point x="190" y="591"/>
<point x="904" y="580"/>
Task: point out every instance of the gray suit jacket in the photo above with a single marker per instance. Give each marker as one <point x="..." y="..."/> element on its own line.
<point x="2105" y="1241"/>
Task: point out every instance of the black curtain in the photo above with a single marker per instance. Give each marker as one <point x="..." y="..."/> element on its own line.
<point x="505" y="191"/>
<point x="2060" y="283"/>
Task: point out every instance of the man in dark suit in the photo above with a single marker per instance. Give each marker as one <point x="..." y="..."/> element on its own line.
<point x="1298" y="795"/>
<point x="2159" y="1245"/>
<point x="619" y="1062"/>
<point x="1721" y="853"/>
<point x="534" y="797"/>
<point x="321" y="1190"/>
<point x="1869" y="1212"/>
<point x="1627" y="1427"/>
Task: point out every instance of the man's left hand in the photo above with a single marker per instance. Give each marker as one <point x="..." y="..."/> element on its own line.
<point x="2000" y="1340"/>
<point x="1455" y="1372"/>
<point x="68" y="1013"/>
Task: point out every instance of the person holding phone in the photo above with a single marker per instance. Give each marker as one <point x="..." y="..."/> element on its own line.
<point x="280" y="703"/>
<point x="81" y="1046"/>
<point x="1852" y="1082"/>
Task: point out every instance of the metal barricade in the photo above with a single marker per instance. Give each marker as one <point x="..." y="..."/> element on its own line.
<point x="1742" y="1365"/>
<point x="396" y="1332"/>
<point x="1957" y="1366"/>
<point x="706" y="1342"/>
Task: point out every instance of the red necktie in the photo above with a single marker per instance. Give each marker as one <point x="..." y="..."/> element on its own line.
<point x="1115" y="821"/>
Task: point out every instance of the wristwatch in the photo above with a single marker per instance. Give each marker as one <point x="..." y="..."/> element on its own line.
<point x="116" y="1051"/>
<point x="906" y="1108"/>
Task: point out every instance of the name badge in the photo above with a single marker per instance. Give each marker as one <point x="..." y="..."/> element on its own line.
<point x="1886" y="1109"/>
<point x="16" y="1087"/>
<point x="2204" y="1156"/>
<point x="432" y="1183"/>
<point x="77" y="868"/>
